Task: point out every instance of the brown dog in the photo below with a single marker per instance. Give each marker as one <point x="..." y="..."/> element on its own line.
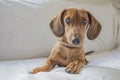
<point x="71" y="26"/>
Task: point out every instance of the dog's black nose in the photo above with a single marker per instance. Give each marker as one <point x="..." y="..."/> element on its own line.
<point x="75" y="40"/>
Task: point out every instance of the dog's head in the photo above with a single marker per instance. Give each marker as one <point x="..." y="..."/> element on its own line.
<point x="73" y="24"/>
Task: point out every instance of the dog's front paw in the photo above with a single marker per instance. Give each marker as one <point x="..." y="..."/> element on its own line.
<point x="36" y="70"/>
<point x="73" y="68"/>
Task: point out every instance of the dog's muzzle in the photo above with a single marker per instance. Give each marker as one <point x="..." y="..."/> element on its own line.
<point x="75" y="40"/>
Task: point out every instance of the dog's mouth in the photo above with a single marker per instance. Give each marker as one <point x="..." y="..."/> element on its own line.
<point x="73" y="42"/>
<point x="71" y="46"/>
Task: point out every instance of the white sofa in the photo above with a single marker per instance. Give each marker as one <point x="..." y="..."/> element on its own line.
<point x="26" y="40"/>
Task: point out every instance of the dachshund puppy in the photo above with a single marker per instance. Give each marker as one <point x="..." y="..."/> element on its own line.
<point x="71" y="25"/>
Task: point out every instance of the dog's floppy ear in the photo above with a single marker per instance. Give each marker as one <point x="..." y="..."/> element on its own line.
<point x="94" y="28"/>
<point x="57" y="25"/>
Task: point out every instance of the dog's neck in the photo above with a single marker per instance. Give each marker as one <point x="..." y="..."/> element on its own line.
<point x="64" y="43"/>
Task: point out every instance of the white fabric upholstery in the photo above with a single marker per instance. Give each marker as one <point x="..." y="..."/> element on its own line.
<point x="117" y="7"/>
<point x="102" y="66"/>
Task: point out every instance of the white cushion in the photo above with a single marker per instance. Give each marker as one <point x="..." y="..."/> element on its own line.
<point x="117" y="7"/>
<point x="106" y="59"/>
<point x="19" y="70"/>
<point x="25" y="32"/>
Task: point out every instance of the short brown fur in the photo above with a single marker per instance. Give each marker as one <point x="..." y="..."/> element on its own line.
<point x="65" y="53"/>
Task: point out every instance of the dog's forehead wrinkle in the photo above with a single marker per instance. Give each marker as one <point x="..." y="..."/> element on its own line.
<point x="72" y="14"/>
<point x="71" y="11"/>
<point x="76" y="13"/>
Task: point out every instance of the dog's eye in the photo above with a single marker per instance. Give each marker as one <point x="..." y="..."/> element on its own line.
<point x="84" y="21"/>
<point x="68" y="21"/>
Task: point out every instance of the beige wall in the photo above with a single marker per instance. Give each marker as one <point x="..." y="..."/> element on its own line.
<point x="95" y="1"/>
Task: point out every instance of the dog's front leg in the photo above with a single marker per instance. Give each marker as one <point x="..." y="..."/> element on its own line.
<point x="47" y="67"/>
<point x="75" y="66"/>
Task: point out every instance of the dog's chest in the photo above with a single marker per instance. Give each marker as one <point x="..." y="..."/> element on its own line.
<point x="69" y="54"/>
